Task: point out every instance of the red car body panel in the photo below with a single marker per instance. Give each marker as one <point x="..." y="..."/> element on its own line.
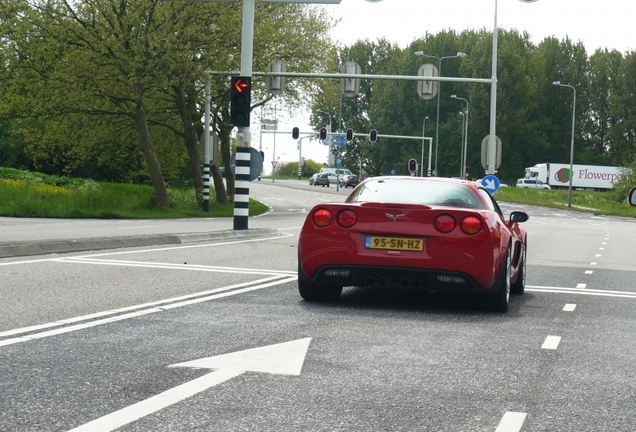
<point x="478" y="257"/>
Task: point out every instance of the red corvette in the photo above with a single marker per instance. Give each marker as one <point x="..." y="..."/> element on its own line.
<point x="433" y="234"/>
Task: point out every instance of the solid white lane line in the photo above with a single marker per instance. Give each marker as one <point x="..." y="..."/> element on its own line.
<point x="136" y="314"/>
<point x="205" y="245"/>
<point x="551" y="342"/>
<point x="569" y="307"/>
<point x="597" y="293"/>
<point x="151" y="405"/>
<point x="172" y="266"/>
<point x="511" y="422"/>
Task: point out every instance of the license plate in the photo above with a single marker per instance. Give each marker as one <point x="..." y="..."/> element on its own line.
<point x="394" y="243"/>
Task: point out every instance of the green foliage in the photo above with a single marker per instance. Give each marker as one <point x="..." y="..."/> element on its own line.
<point x="32" y="194"/>
<point x="290" y="169"/>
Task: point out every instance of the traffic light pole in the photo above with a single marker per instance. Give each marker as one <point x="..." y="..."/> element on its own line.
<point x="243" y="137"/>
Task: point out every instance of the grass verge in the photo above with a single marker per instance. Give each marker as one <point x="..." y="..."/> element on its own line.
<point x="28" y="194"/>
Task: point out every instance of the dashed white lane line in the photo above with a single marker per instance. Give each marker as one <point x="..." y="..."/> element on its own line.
<point x="589" y="271"/>
<point x="581" y="286"/>
<point x="551" y="342"/>
<point x="569" y="307"/>
<point x="511" y="422"/>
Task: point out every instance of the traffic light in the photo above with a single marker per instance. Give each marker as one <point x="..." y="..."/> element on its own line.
<point x="412" y="165"/>
<point x="295" y="133"/>
<point x="240" y="101"/>
<point x="323" y="134"/>
<point x="373" y="135"/>
<point x="349" y="134"/>
<point x="302" y="161"/>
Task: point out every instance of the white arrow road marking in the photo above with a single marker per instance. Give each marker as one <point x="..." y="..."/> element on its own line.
<point x="285" y="358"/>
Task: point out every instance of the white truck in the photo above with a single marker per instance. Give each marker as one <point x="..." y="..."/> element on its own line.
<point x="585" y="176"/>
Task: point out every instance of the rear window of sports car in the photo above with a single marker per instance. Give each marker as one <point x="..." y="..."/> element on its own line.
<point x="416" y="192"/>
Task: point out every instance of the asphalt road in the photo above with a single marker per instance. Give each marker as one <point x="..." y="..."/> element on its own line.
<point x="211" y="334"/>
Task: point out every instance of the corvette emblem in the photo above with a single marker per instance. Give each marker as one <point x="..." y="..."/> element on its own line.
<point x="394" y="217"/>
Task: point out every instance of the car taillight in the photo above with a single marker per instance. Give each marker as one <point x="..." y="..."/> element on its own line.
<point x="471" y="225"/>
<point x="322" y="217"/>
<point x="445" y="223"/>
<point x="347" y="218"/>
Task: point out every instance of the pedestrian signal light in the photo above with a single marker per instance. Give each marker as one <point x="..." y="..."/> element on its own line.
<point x="412" y="165"/>
<point x="373" y="135"/>
<point x="240" y="101"/>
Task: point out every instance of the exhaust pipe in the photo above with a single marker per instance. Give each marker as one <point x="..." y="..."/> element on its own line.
<point x="416" y="284"/>
<point x="382" y="282"/>
<point x="369" y="281"/>
<point x="404" y="283"/>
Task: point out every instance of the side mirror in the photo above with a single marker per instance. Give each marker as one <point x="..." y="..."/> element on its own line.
<point x="631" y="198"/>
<point x="517" y="216"/>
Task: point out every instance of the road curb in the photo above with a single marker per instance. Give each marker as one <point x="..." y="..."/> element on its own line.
<point x="64" y="246"/>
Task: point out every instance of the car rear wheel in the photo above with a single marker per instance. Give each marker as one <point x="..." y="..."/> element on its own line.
<point x="520" y="284"/>
<point x="498" y="301"/>
<point x="317" y="292"/>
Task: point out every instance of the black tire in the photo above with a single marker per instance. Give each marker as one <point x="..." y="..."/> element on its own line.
<point x="520" y="284"/>
<point x="499" y="301"/>
<point x="316" y="292"/>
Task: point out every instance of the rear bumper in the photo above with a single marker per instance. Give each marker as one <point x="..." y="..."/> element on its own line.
<point x="397" y="278"/>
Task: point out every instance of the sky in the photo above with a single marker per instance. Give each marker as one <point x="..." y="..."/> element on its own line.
<point x="596" y="24"/>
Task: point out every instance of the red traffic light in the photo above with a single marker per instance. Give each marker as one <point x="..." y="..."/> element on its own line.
<point x="373" y="135"/>
<point x="240" y="101"/>
<point x="349" y="134"/>
<point x="323" y="134"/>
<point x="240" y="84"/>
<point x="412" y="165"/>
<point x="295" y="133"/>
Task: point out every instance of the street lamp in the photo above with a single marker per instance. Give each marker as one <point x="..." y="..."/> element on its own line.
<point x="429" y="154"/>
<point x="439" y="91"/>
<point x="558" y="83"/>
<point x="465" y="134"/>
<point x="491" y="154"/>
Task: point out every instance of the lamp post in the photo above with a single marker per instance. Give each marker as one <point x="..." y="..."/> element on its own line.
<point x="558" y="83"/>
<point x="491" y="154"/>
<point x="429" y="155"/>
<point x="439" y="91"/>
<point x="465" y="134"/>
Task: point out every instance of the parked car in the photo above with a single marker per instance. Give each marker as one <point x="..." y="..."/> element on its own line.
<point x="418" y="233"/>
<point x="322" y="180"/>
<point x="350" y="181"/>
<point x="312" y="179"/>
<point x="333" y="178"/>
<point x="532" y="184"/>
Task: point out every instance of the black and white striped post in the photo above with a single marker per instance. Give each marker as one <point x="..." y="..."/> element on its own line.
<point x="242" y="177"/>
<point x="206" y="149"/>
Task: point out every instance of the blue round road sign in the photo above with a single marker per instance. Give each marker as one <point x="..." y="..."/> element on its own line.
<point x="491" y="183"/>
